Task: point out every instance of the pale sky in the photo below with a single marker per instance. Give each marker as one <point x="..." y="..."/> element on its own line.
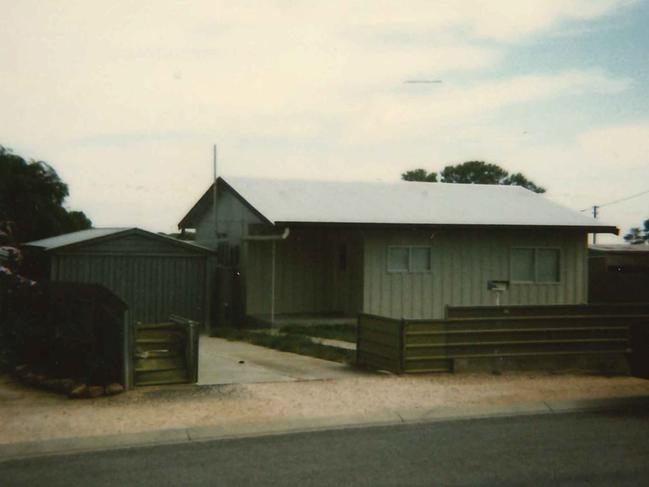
<point x="125" y="98"/>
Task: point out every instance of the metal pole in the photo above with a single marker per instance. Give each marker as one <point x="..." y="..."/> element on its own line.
<point x="595" y="208"/>
<point x="127" y="351"/>
<point x="272" y="285"/>
<point x="216" y="232"/>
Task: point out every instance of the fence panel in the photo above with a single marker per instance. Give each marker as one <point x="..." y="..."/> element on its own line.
<point x="379" y="343"/>
<point x="549" y="337"/>
<point x="548" y="310"/>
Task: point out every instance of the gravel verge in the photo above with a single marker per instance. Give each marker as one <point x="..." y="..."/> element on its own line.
<point x="33" y="415"/>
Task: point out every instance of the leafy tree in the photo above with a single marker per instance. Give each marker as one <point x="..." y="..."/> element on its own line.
<point x="473" y="172"/>
<point x="419" y="175"/>
<point x="517" y="179"/>
<point x="31" y="201"/>
<point x="638" y="235"/>
<point x="78" y="221"/>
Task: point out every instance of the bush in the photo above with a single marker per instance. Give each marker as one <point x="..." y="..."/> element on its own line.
<point x="65" y="330"/>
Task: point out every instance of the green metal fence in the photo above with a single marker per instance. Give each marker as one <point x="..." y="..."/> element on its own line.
<point x="548" y="335"/>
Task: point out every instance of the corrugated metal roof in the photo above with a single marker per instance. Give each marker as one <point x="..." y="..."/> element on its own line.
<point x="81" y="236"/>
<point x="75" y="237"/>
<point x="292" y="201"/>
<point x="622" y="248"/>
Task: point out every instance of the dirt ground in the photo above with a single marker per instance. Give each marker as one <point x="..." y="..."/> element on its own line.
<point x="29" y="415"/>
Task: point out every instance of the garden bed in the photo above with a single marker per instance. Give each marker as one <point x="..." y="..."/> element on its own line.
<point x="294" y="343"/>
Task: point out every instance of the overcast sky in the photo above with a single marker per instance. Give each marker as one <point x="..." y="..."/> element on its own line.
<point x="125" y="98"/>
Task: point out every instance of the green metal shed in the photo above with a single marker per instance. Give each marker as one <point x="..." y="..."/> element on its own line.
<point x="155" y="275"/>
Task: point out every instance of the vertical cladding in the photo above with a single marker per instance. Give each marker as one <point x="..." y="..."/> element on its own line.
<point x="233" y="218"/>
<point x="463" y="262"/>
<point x="153" y="286"/>
<point x="308" y="274"/>
<point x="259" y="278"/>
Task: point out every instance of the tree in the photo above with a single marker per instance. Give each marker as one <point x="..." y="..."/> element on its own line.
<point x="517" y="179"/>
<point x="419" y="175"/>
<point x="473" y="172"/>
<point x="637" y="235"/>
<point x="31" y="200"/>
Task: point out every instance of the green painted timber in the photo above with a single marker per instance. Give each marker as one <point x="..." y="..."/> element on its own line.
<point x="379" y="343"/>
<point x="543" y="332"/>
<point x="165" y="353"/>
<point x="483" y="312"/>
<point x="152" y="378"/>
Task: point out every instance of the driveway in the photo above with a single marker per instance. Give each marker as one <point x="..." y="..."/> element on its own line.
<point x="227" y="362"/>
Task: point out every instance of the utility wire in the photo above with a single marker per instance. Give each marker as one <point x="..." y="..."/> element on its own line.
<point x="618" y="201"/>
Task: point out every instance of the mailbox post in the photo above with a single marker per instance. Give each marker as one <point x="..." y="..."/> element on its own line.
<point x="498" y="287"/>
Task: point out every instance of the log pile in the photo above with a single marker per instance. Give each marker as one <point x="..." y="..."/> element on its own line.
<point x="72" y="388"/>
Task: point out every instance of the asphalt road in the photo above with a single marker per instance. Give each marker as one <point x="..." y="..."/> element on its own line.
<point x="570" y="449"/>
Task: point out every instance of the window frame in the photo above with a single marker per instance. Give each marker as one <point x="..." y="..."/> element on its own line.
<point x="536" y="264"/>
<point x="410" y="270"/>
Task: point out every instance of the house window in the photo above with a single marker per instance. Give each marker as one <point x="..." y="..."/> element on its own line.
<point x="523" y="265"/>
<point x="405" y="258"/>
<point x="419" y="259"/>
<point x="535" y="265"/>
<point x="547" y="265"/>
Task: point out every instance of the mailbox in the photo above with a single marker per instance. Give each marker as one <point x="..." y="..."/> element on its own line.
<point x="498" y="286"/>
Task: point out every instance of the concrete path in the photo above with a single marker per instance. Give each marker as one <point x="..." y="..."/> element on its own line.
<point x="334" y="343"/>
<point x="14" y="451"/>
<point x="229" y="362"/>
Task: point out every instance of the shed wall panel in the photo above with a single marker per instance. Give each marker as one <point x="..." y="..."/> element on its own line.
<point x="152" y="286"/>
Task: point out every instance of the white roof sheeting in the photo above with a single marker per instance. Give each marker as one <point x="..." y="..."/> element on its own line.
<point x="618" y="248"/>
<point x="95" y="233"/>
<point x="403" y="202"/>
<point x="74" y="237"/>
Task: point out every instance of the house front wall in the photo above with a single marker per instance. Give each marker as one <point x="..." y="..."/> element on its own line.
<point x="463" y="261"/>
<point x="315" y="271"/>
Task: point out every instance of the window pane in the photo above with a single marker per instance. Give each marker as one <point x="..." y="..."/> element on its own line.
<point x="523" y="265"/>
<point x="547" y="265"/>
<point x="420" y="259"/>
<point x="398" y="259"/>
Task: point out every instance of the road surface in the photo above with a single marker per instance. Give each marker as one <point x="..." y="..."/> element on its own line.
<point x="569" y="449"/>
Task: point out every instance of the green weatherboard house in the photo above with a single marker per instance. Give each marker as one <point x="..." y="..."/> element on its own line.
<point x="291" y="248"/>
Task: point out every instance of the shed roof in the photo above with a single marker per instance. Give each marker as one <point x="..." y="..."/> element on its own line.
<point x="400" y="203"/>
<point x="620" y="248"/>
<point x="82" y="237"/>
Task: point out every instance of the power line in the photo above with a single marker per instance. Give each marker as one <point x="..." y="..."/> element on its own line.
<point x="618" y="201"/>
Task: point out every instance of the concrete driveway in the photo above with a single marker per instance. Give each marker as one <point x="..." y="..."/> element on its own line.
<point x="224" y="362"/>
